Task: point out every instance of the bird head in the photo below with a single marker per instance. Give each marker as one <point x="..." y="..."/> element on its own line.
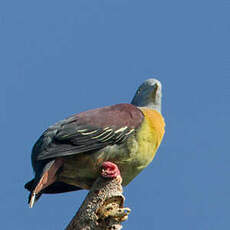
<point x="149" y="95"/>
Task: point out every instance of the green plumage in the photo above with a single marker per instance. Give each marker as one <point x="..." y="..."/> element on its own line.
<point x="124" y="134"/>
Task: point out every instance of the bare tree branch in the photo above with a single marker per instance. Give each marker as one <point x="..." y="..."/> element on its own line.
<point x="103" y="207"/>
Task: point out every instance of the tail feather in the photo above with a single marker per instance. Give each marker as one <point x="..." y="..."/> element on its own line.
<point x="46" y="178"/>
<point x="33" y="197"/>
<point x="56" y="187"/>
<point x="60" y="187"/>
<point x="45" y="182"/>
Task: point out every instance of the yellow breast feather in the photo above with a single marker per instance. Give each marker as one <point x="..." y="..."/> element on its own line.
<point x="150" y="134"/>
<point x="155" y="121"/>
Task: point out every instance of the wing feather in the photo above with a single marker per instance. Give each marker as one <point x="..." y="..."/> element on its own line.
<point x="86" y="132"/>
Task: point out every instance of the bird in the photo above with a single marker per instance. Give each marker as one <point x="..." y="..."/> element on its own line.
<point x="69" y="154"/>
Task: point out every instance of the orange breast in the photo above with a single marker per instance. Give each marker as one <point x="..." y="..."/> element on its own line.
<point x="156" y="122"/>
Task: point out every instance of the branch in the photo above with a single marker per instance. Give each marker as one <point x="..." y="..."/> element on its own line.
<point x="103" y="207"/>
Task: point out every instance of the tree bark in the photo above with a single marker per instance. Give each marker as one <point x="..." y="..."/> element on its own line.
<point x="103" y="208"/>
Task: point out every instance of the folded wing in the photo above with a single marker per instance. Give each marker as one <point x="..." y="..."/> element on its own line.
<point x="87" y="131"/>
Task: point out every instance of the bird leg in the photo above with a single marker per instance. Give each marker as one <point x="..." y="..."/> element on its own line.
<point x="109" y="170"/>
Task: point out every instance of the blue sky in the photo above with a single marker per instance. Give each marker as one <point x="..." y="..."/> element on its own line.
<point x="63" y="57"/>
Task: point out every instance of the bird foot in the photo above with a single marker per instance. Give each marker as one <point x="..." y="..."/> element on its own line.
<point x="109" y="170"/>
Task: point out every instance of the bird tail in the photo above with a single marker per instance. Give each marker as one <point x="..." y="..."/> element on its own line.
<point x="33" y="197"/>
<point x="46" y="183"/>
<point x="56" y="187"/>
<point x="46" y="178"/>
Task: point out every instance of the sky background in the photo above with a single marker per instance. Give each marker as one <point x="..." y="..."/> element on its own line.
<point x="58" y="58"/>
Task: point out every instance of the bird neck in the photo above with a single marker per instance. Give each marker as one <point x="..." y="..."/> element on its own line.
<point x="153" y="106"/>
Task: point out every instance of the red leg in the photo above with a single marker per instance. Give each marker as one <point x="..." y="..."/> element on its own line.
<point x="109" y="170"/>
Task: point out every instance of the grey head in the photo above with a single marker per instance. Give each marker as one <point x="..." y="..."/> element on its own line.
<point x="149" y="95"/>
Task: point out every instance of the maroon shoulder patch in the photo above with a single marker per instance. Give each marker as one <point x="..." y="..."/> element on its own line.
<point x="115" y="116"/>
